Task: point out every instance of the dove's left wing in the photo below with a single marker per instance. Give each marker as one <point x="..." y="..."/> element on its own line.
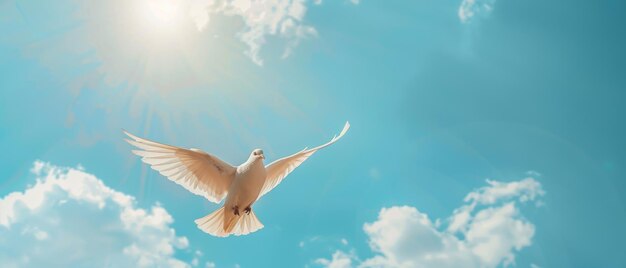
<point x="279" y="169"/>
<point x="197" y="171"/>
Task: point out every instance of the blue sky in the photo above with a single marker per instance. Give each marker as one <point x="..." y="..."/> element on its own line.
<point x="508" y="112"/>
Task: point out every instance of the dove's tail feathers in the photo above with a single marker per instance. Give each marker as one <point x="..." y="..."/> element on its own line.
<point x="214" y="224"/>
<point x="246" y="223"/>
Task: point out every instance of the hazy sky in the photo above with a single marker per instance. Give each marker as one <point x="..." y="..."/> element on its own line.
<point x="484" y="133"/>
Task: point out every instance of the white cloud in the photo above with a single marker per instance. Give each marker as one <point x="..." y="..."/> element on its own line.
<point x="339" y="259"/>
<point x="282" y="18"/>
<point x="525" y="190"/>
<point x="196" y="258"/>
<point x="471" y="8"/>
<point x="70" y="218"/>
<point x="487" y="231"/>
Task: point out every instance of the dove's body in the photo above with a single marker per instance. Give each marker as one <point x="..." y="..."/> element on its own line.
<point x="246" y="187"/>
<point x="208" y="176"/>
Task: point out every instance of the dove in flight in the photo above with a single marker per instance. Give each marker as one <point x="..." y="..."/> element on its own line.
<point x="206" y="175"/>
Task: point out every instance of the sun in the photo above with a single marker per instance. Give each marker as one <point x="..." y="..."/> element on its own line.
<point x="161" y="15"/>
<point x="162" y="11"/>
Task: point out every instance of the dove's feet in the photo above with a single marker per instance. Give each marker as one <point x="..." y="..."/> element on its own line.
<point x="247" y="210"/>
<point x="236" y="210"/>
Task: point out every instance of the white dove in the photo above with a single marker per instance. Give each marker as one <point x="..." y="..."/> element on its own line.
<point x="206" y="175"/>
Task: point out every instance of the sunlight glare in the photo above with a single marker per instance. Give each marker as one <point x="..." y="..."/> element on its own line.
<point x="161" y="14"/>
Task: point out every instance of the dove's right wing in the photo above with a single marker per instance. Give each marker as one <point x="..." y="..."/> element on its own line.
<point x="199" y="172"/>
<point x="279" y="169"/>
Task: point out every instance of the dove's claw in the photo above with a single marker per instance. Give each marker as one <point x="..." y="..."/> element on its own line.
<point x="236" y="210"/>
<point x="247" y="210"/>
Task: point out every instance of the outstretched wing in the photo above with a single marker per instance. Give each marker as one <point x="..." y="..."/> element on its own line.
<point x="279" y="169"/>
<point x="199" y="172"/>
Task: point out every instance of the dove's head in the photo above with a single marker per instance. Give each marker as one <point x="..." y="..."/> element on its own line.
<point x="257" y="154"/>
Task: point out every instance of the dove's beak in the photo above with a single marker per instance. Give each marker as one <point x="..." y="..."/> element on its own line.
<point x="262" y="156"/>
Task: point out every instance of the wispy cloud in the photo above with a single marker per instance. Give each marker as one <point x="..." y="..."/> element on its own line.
<point x="487" y="231"/>
<point x="282" y="18"/>
<point x="70" y="218"/>
<point x="472" y="8"/>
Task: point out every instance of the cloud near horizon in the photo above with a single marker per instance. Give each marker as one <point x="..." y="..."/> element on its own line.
<point x="487" y="231"/>
<point x="70" y="218"/>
